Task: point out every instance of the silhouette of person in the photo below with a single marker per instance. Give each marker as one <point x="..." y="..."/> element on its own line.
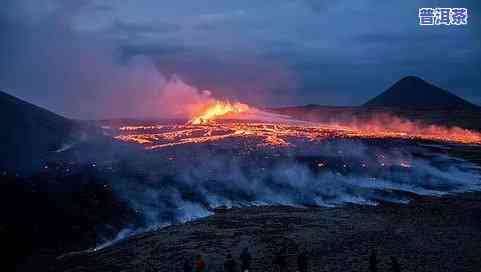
<point x="245" y="258"/>
<point x="373" y="261"/>
<point x="395" y="267"/>
<point x="303" y="261"/>
<point x="199" y="264"/>
<point x="279" y="262"/>
<point x="187" y="265"/>
<point x="230" y="265"/>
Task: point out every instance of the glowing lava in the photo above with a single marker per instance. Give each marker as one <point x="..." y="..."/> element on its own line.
<point x="212" y="125"/>
<point x="218" y="110"/>
<point x="257" y="134"/>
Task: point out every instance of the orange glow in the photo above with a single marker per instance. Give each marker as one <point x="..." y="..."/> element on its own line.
<point x="218" y="110"/>
<point x="276" y="130"/>
<point x="280" y="135"/>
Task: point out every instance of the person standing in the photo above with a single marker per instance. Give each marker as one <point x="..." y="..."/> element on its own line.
<point x="395" y="267"/>
<point x="245" y="258"/>
<point x="303" y="261"/>
<point x="279" y="263"/>
<point x="373" y="261"/>
<point x="199" y="264"/>
<point x="187" y="267"/>
<point x="230" y="265"/>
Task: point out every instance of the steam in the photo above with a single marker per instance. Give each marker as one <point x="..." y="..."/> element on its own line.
<point x="190" y="182"/>
<point x="382" y="122"/>
<point x="184" y="183"/>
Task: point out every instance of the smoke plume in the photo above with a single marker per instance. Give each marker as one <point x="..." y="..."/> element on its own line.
<point x="184" y="183"/>
<point x="47" y="58"/>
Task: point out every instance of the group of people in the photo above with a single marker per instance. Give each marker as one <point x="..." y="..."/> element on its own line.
<point x="279" y="263"/>
<point x="230" y="265"/>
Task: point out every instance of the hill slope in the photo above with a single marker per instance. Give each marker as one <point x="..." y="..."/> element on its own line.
<point x="433" y="233"/>
<point x="413" y="92"/>
<point x="29" y="133"/>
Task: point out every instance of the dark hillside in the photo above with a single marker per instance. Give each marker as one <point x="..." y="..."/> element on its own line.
<point x="414" y="92"/>
<point x="29" y="133"/>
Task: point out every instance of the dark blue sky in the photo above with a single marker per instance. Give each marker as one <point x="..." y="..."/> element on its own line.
<point x="93" y="59"/>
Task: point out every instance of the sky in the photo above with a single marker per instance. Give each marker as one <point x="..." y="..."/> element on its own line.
<point x="144" y="58"/>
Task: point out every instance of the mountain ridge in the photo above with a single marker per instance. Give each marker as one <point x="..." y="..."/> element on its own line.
<point x="29" y="133"/>
<point x="414" y="92"/>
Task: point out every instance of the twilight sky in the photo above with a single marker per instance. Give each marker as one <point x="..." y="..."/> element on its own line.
<point x="99" y="59"/>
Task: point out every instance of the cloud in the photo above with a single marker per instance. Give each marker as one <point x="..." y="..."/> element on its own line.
<point x="155" y="50"/>
<point x="268" y="52"/>
<point x="79" y="74"/>
<point x="139" y="28"/>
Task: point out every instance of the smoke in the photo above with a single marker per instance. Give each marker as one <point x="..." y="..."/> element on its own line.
<point x="380" y="122"/>
<point x="46" y="57"/>
<point x="181" y="184"/>
<point x="181" y="100"/>
<point x="383" y="122"/>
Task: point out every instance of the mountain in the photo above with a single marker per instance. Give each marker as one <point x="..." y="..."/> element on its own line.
<point x="29" y="133"/>
<point x="414" y="92"/>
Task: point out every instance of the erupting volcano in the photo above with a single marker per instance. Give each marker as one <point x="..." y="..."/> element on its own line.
<point x="220" y="109"/>
<point x="225" y="120"/>
<point x="239" y="136"/>
<point x="234" y="154"/>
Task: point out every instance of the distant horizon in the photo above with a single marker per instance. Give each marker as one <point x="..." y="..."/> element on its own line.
<point x="12" y="92"/>
<point x="167" y="118"/>
<point x="87" y="60"/>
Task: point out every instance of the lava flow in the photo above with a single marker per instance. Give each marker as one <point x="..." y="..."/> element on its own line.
<point x="211" y="126"/>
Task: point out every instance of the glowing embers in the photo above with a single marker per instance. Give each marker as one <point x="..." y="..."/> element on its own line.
<point x="275" y="134"/>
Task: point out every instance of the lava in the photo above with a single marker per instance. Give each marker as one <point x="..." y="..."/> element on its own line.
<point x="275" y="134"/>
<point x="219" y="109"/>
<point x="277" y="131"/>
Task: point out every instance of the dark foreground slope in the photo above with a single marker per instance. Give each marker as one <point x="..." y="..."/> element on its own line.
<point x="29" y="133"/>
<point x="47" y="214"/>
<point x="427" y="235"/>
<point x="52" y="202"/>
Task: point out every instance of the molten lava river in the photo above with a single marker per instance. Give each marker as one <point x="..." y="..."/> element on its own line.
<point x="272" y="134"/>
<point x="214" y="125"/>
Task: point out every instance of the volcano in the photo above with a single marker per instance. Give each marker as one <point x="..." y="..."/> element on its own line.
<point x="142" y="174"/>
<point x="29" y="133"/>
<point x="414" y="92"/>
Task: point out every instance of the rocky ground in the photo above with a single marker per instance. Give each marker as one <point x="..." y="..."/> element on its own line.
<point x="429" y="234"/>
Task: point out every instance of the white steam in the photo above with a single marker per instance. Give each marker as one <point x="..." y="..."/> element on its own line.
<point x="202" y="178"/>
